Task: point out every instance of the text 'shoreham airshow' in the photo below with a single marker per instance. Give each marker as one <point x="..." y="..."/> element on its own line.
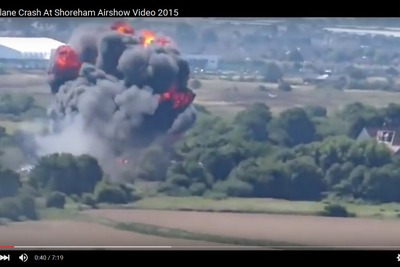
<point x="58" y="12"/>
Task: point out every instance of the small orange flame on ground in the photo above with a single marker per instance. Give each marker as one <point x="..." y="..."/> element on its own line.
<point x="148" y="37"/>
<point x="122" y="27"/>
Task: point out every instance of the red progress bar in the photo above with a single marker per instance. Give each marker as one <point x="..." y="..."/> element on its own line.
<point x="4" y="247"/>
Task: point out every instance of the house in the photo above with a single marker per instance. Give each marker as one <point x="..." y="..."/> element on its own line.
<point x="385" y="135"/>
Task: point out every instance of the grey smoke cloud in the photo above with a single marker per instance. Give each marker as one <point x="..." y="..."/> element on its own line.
<point x="113" y="108"/>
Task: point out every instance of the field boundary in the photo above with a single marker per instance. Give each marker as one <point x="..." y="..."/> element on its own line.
<point x="259" y="206"/>
<point x="153" y="230"/>
<point x="182" y="234"/>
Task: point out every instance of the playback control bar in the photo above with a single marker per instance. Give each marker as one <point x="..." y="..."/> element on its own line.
<point x="199" y="256"/>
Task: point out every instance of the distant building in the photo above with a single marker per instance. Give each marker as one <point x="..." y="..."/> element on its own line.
<point x="327" y="81"/>
<point x="206" y="62"/>
<point x="387" y="136"/>
<point x="26" y="52"/>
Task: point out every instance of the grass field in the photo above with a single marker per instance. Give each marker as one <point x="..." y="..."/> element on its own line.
<point x="12" y="126"/>
<point x="261" y="205"/>
<point x="76" y="233"/>
<point x="228" y="97"/>
<point x="292" y="229"/>
<point x="149" y="227"/>
<point x="218" y="96"/>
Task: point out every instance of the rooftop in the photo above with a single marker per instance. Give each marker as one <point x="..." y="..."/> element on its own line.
<point x="31" y="45"/>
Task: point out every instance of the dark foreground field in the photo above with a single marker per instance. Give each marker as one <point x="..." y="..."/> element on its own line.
<point x="305" y="230"/>
<point x="180" y="228"/>
<point x="75" y="233"/>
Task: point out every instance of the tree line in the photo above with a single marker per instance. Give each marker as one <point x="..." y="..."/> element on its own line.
<point x="300" y="154"/>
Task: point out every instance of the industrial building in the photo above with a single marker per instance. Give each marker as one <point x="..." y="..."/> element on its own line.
<point x="206" y="62"/>
<point x="33" y="53"/>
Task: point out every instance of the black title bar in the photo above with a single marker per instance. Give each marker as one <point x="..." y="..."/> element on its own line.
<point x="185" y="258"/>
<point x="203" y="8"/>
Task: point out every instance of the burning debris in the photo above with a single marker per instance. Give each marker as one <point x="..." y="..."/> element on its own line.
<point x="115" y="92"/>
<point x="122" y="27"/>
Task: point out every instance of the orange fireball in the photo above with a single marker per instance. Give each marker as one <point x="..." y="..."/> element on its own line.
<point x="122" y="27"/>
<point x="148" y="37"/>
<point x="66" y="58"/>
<point x="178" y="99"/>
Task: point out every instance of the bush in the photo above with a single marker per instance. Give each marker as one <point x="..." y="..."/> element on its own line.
<point x="336" y="210"/>
<point x="195" y="84"/>
<point x="89" y="200"/>
<point x="197" y="189"/>
<point x="262" y="88"/>
<point x="234" y="188"/>
<point x="4" y="221"/>
<point x="18" y="208"/>
<point x="273" y="73"/>
<point x="174" y="190"/>
<point x="55" y="200"/>
<point x="75" y="198"/>
<point x="27" y="206"/>
<point x="215" y="195"/>
<point x="9" y="208"/>
<point x="285" y="87"/>
<point x="112" y="194"/>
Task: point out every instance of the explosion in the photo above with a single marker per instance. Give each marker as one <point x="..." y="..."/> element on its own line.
<point x="148" y="38"/>
<point x="122" y="27"/>
<point x="115" y="93"/>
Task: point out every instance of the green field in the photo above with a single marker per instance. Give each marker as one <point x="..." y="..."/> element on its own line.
<point x="260" y="205"/>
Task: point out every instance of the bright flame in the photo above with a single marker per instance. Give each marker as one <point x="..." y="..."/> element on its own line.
<point x="66" y="59"/>
<point x="148" y="37"/>
<point x="122" y="27"/>
<point x="178" y="99"/>
<point x="162" y="41"/>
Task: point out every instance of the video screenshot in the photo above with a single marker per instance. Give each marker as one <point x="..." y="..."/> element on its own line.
<point x="128" y="133"/>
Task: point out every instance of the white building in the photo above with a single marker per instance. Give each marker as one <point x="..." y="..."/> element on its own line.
<point x="27" y="52"/>
<point x="207" y="62"/>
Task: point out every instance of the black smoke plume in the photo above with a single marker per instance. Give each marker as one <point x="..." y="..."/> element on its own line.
<point x="126" y="96"/>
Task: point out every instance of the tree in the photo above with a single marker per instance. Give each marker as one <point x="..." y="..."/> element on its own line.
<point x="55" y="200"/>
<point x="299" y="128"/>
<point x="153" y="164"/>
<point x="253" y="121"/>
<point x="334" y="175"/>
<point x="273" y="73"/>
<point x="9" y="183"/>
<point x="357" y="73"/>
<point x="295" y="55"/>
<point x="90" y="172"/>
<point x="316" y="111"/>
<point x="306" y="180"/>
<point x="284" y="87"/>
<point x="195" y="84"/>
<point x="234" y="188"/>
<point x="66" y="173"/>
<point x="381" y="184"/>
<point x="110" y="193"/>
